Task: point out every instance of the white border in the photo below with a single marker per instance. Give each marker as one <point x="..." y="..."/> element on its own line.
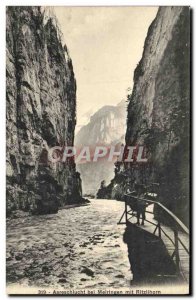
<point x="192" y="3"/>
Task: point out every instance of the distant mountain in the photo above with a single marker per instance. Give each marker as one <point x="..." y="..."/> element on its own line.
<point x="106" y="127"/>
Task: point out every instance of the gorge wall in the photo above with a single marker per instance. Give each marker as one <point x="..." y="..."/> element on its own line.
<point x="41" y="108"/>
<point x="158" y="112"/>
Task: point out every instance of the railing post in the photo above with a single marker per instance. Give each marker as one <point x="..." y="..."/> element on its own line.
<point x="176" y="249"/>
<point x="159" y="229"/>
<point x="126" y="219"/>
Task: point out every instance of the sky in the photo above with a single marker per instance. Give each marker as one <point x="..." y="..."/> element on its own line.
<point x="105" y="45"/>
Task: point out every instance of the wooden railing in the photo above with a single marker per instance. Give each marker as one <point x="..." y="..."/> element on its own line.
<point x="163" y="216"/>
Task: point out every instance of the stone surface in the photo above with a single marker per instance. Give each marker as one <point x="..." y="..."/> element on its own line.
<point x="41" y="104"/>
<point x="158" y="112"/>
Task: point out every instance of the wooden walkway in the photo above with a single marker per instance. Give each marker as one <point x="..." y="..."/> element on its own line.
<point x="175" y="238"/>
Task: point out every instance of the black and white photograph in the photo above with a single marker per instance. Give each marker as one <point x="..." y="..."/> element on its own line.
<point x="98" y="150"/>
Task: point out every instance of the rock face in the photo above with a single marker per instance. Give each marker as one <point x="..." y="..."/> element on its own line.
<point x="106" y="127"/>
<point x="158" y="111"/>
<point x="41" y="100"/>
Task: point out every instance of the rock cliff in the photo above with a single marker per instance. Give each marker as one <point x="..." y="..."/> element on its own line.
<point x="41" y="105"/>
<point x="158" y="112"/>
<point x="106" y="127"/>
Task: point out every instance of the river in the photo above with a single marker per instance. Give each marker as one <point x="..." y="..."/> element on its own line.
<point x="80" y="247"/>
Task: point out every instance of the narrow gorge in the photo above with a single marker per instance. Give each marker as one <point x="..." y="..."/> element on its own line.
<point x="131" y="235"/>
<point x="158" y="114"/>
<point x="41" y="113"/>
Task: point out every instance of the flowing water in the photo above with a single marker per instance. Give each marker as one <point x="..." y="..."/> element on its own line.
<point x="80" y="247"/>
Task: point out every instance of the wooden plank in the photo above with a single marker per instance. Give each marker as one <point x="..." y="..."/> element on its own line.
<point x="184" y="237"/>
